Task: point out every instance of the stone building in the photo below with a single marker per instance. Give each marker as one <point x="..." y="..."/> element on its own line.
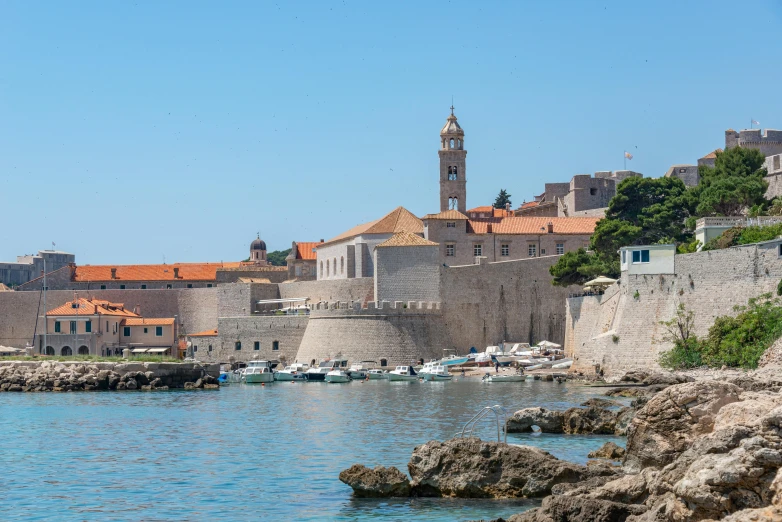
<point x="302" y="261"/>
<point x="687" y="173"/>
<point x="769" y="142"/>
<point x="351" y="254"/>
<point x="453" y="166"/>
<point x="29" y="267"/>
<point x="407" y="268"/>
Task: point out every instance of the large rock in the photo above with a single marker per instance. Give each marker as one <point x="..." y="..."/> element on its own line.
<point x="469" y="467"/>
<point x="667" y="425"/>
<point x="548" y="421"/>
<point x="589" y="420"/>
<point x="378" y="482"/>
<point x="609" y="450"/>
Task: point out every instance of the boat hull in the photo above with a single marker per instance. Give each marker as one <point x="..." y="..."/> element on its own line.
<point x="337" y="378"/>
<point x="258" y="378"/>
<point x="395" y="377"/>
<point x="507" y="378"/>
<point x="453" y="362"/>
<point x="377" y="376"/>
<point x="288" y="376"/>
<point x="317" y="377"/>
<point x="436" y="377"/>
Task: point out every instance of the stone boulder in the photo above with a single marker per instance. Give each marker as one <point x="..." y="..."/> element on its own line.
<point x="548" y="421"/>
<point x="668" y="424"/>
<point x="589" y="420"/>
<point x="609" y="450"/>
<point x="600" y="403"/>
<point x="378" y="482"/>
<point x="666" y="379"/>
<point x="471" y="468"/>
<point x="635" y="376"/>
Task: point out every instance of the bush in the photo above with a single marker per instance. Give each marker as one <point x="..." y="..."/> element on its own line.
<point x="744" y="236"/>
<point x="686" y="351"/>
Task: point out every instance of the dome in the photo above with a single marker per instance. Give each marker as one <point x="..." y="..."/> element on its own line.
<point x="258" y="244"/>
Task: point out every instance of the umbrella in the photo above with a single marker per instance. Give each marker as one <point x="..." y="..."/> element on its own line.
<point x="600" y="281"/>
<point x="549" y="344"/>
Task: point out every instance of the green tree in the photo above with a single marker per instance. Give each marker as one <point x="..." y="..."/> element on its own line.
<point x="277" y="258"/>
<point x="502" y="198"/>
<point x="733" y="185"/>
<point x="578" y="267"/>
<point x="686" y="350"/>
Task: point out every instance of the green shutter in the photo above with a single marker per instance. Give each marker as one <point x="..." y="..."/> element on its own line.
<point x="56" y="326"/>
<point x="88" y="326"/>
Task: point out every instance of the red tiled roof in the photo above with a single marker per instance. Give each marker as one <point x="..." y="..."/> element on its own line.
<point x="534" y="225"/>
<point x="406" y="239"/>
<point x="187" y="271"/>
<point x="446" y="215"/>
<point x="398" y="220"/>
<point x="306" y="251"/>
<point x="91" y="307"/>
<point x="488" y="209"/>
<point x="161" y="321"/>
<point x="712" y="154"/>
<point x="205" y="333"/>
<point x="485" y="208"/>
<point x="529" y="204"/>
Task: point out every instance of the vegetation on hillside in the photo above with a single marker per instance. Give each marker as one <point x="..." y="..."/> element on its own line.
<point x="732" y="341"/>
<point x="662" y="210"/>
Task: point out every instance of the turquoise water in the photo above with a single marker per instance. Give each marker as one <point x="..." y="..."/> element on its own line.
<point x="249" y="452"/>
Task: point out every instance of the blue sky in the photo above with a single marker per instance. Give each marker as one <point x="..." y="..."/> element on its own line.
<point x="133" y="132"/>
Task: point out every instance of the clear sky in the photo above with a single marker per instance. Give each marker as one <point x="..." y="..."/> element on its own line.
<point x="133" y="132"/>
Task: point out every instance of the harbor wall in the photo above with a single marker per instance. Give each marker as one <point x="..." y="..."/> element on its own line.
<point x="356" y="289"/>
<point x="621" y="329"/>
<point x="286" y="331"/>
<point x="398" y="333"/>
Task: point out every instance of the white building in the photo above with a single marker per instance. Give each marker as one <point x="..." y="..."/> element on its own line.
<point x="648" y="259"/>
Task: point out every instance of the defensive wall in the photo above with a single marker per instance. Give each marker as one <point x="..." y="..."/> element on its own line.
<point x="394" y="333"/>
<point x="265" y="337"/>
<point x="356" y="289"/>
<point x="621" y="329"/>
<point x="487" y="303"/>
<point x="195" y="308"/>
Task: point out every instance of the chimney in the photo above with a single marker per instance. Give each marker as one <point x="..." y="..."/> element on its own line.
<point x="114" y="273"/>
<point x="137" y="309"/>
<point x="550" y="227"/>
<point x="488" y="229"/>
<point x="176" y="272"/>
<point x="321" y="241"/>
<point x="507" y="207"/>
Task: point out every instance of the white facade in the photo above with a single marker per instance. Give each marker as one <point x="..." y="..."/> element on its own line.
<point x="648" y="259"/>
<point x="353" y="257"/>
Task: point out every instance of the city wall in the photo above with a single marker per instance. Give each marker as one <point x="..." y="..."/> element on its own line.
<point x="269" y="337"/>
<point x="357" y="289"/>
<point x="621" y="329"/>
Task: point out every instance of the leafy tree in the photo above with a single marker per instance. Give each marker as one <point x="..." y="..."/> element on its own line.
<point x="679" y="331"/>
<point x="502" y="198"/>
<point x="578" y="267"/>
<point x="277" y="258"/>
<point x="733" y="185"/>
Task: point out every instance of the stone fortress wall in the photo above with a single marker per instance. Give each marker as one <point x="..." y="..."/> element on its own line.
<point x="621" y="329"/>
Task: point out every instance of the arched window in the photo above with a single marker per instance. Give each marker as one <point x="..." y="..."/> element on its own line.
<point x="83" y="350"/>
<point x="341" y="265"/>
<point x="443" y="142"/>
<point x="66" y="350"/>
<point x="450" y="170"/>
<point x="453" y="203"/>
<point x="49" y="350"/>
<point x="312" y="363"/>
<point x="459" y="144"/>
<point x="335" y="266"/>
<point x="327" y="267"/>
<point x="456" y="170"/>
<point x="450" y="144"/>
<point x="383" y="362"/>
<point x="321" y="269"/>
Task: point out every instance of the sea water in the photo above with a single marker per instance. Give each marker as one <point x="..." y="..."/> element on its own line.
<point x="251" y="452"/>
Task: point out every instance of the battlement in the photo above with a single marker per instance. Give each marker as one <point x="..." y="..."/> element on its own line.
<point x="343" y="308"/>
<point x="769" y="141"/>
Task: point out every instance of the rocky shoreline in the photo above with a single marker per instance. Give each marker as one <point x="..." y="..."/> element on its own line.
<point x="53" y="376"/>
<point x="699" y="447"/>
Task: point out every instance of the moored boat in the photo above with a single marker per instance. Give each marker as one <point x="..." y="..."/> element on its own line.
<point x="294" y="372"/>
<point x="337" y="376"/>
<point x="504" y="378"/>
<point x="258" y="372"/>
<point x="377" y="374"/>
<point x="403" y="373"/>
<point x="319" y="373"/>
<point x="435" y="373"/>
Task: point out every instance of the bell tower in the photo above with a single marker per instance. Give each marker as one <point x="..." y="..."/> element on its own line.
<point x="453" y="183"/>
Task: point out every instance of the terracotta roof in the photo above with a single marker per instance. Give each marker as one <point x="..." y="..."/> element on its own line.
<point x="252" y="280"/>
<point x="529" y="204"/>
<point x="152" y="321"/>
<point x="398" y="220"/>
<point x="712" y="154"/>
<point x="406" y="239"/>
<point x="448" y="215"/>
<point x="488" y="209"/>
<point x="187" y="272"/>
<point x="535" y="225"/>
<point x="91" y="307"/>
<point x="206" y="333"/>
<point x="306" y="251"/>
<point x="485" y="208"/>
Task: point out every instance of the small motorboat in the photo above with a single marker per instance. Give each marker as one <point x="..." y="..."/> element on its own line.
<point x="403" y="373"/>
<point x="258" y="372"/>
<point x="435" y="373"/>
<point x="319" y="373"/>
<point x="377" y="374"/>
<point x="359" y="370"/>
<point x="337" y="375"/>
<point x="225" y="378"/>
<point x="504" y="378"/>
<point x="562" y="364"/>
<point x="294" y="372"/>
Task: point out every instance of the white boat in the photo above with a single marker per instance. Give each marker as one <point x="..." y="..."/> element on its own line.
<point x="562" y="364"/>
<point x="294" y="372"/>
<point x="453" y="360"/>
<point x="377" y="374"/>
<point x="337" y="376"/>
<point x="258" y="372"/>
<point x="359" y="370"/>
<point x="403" y="373"/>
<point x="435" y="373"/>
<point x="319" y="373"/>
<point x="504" y="378"/>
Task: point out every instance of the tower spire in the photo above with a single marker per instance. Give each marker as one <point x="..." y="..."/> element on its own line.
<point x="452" y="105"/>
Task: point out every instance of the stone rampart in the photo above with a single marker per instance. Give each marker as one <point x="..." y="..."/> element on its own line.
<point x="264" y="337"/>
<point x="394" y="333"/>
<point x="622" y="330"/>
<point x="356" y="289"/>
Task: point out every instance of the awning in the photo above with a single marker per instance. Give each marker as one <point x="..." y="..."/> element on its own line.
<point x="138" y="350"/>
<point x="157" y="350"/>
<point x="600" y="281"/>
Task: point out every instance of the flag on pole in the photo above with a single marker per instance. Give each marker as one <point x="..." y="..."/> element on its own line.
<point x="755" y="122"/>
<point x="628" y="155"/>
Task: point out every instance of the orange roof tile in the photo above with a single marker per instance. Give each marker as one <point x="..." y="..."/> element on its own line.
<point x="488" y="209"/>
<point x="306" y="251"/>
<point x="152" y="321"/>
<point x="398" y="220"/>
<point x="446" y="215"/>
<point x="529" y="204"/>
<point x="406" y="239"/>
<point x="485" y="208"/>
<point x="187" y="271"/>
<point x="205" y="333"/>
<point x="535" y="225"/>
<point x="712" y="154"/>
<point x="91" y="307"/>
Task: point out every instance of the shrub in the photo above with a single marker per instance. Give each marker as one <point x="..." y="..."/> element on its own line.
<point x="686" y="351"/>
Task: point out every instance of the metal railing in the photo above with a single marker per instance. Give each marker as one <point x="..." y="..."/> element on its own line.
<point x="497" y="410"/>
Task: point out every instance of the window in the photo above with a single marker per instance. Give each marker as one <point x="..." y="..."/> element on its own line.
<point x="624" y="256"/>
<point x="195" y="347"/>
<point x="126" y="331"/>
<point x="682" y="171"/>
<point x="276" y="345"/>
<point x="66" y="350"/>
<point x="561" y="249"/>
<point x="453" y="173"/>
<point x="209" y="349"/>
<point x="88" y="326"/>
<point x="449" y="250"/>
<point x="209" y="285"/>
<point x="57" y="324"/>
<point x="504" y="250"/>
<point x="143" y="287"/>
<point x="122" y="287"/>
<point x="341" y="265"/>
<point x="450" y="224"/>
<point x="321" y="269"/>
<point x="257" y="345"/>
<point x="238" y="345"/>
<point x="146" y="330"/>
<point x="776" y="162"/>
<point x="103" y="287"/>
<point x="640" y="256"/>
<point x="383" y="362"/>
<point x="593" y="192"/>
<point x="453" y="203"/>
<point x="327" y="267"/>
<point x="158" y="331"/>
<point x="543" y="251"/>
<point x="190" y="285"/>
<point x="73" y="327"/>
<point x="477" y="250"/>
<point x="83" y="350"/>
<point x="168" y="287"/>
<point x="532" y="250"/>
